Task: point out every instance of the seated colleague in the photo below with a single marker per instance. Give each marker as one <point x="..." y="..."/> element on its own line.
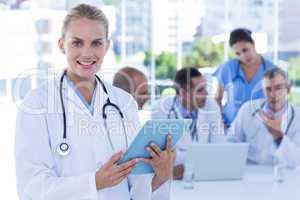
<point x="270" y="125"/>
<point x="191" y="102"/>
<point x="134" y="82"/>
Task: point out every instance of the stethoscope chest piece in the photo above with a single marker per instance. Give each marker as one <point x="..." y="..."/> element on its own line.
<point x="63" y="149"/>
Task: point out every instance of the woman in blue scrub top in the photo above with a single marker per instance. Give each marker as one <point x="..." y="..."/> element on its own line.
<point x="240" y="78"/>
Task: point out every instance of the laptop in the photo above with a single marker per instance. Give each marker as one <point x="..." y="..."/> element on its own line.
<point x="212" y="162"/>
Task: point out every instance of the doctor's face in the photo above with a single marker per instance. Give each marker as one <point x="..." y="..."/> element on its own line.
<point x="245" y="52"/>
<point x="195" y="96"/>
<point x="276" y="89"/>
<point x="85" y="45"/>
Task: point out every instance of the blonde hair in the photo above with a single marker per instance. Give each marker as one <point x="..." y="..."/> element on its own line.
<point x="84" y="11"/>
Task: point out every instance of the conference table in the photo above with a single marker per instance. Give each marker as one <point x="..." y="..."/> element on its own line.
<point x="257" y="184"/>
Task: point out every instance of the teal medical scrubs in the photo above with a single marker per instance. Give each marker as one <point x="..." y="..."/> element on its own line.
<point x="89" y="106"/>
<point x="236" y="87"/>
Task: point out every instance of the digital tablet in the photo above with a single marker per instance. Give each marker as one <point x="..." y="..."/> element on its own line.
<point x="154" y="131"/>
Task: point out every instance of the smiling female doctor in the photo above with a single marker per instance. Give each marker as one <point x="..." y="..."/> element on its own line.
<point x="70" y="131"/>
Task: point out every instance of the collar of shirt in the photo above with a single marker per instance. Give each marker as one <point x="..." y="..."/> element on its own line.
<point x="260" y="71"/>
<point x="267" y="109"/>
<point x="89" y="106"/>
<point x="184" y="112"/>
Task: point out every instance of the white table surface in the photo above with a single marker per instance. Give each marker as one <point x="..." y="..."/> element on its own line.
<point x="258" y="184"/>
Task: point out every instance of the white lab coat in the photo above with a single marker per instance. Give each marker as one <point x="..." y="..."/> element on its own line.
<point x="249" y="128"/>
<point x="42" y="174"/>
<point x="210" y="127"/>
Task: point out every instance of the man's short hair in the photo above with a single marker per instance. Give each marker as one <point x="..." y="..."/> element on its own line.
<point x="183" y="78"/>
<point x="124" y="78"/>
<point x="271" y="73"/>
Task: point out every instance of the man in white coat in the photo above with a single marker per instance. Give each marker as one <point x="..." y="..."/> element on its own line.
<point x="191" y="102"/>
<point x="270" y="125"/>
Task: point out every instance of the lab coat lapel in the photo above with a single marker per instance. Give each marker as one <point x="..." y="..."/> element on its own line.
<point x="177" y="111"/>
<point x="186" y="138"/>
<point x="114" y="128"/>
<point x="72" y="101"/>
<point x="100" y="100"/>
<point x="202" y="126"/>
<point x="286" y="119"/>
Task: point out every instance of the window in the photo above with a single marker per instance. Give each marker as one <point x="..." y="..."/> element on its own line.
<point x="3" y="87"/>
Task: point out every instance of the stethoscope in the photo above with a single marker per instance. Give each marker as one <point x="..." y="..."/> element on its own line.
<point x="172" y="110"/>
<point x="64" y="148"/>
<point x="290" y="120"/>
<point x="193" y="127"/>
<point x="230" y="86"/>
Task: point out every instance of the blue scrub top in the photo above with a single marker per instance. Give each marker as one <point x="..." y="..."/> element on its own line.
<point x="89" y="106"/>
<point x="236" y="87"/>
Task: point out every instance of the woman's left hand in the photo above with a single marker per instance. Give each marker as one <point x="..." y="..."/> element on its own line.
<point x="162" y="162"/>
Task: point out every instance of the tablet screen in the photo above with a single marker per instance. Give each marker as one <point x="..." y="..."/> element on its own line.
<point x="154" y="131"/>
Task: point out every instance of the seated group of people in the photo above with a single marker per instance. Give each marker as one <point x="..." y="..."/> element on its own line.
<point x="268" y="124"/>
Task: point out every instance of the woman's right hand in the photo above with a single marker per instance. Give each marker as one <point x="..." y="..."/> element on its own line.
<point x="111" y="174"/>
